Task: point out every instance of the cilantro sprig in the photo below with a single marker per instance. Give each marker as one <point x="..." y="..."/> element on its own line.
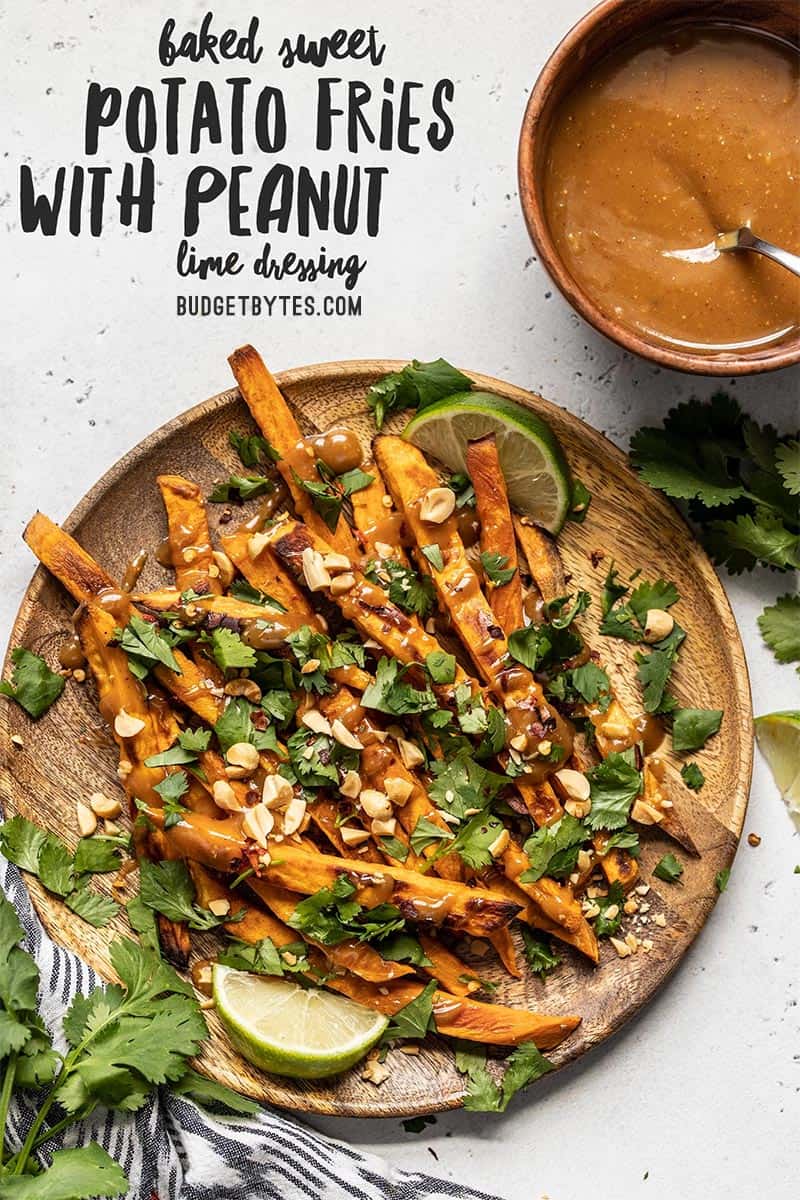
<point x="739" y="481"/>
<point x="416" y="386"/>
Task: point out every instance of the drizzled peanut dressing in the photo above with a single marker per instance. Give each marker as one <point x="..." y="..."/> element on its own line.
<point x="677" y="136"/>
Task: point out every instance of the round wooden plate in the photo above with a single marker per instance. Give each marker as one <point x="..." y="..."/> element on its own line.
<point x="67" y="754"/>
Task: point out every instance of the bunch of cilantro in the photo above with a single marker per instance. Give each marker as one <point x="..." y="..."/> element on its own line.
<point x="740" y="483"/>
<point x="123" y="1040"/>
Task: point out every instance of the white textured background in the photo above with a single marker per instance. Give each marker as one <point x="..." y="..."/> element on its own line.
<point x="699" y="1096"/>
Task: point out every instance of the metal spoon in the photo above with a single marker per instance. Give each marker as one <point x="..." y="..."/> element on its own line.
<point x="745" y="239"/>
<point x="738" y="239"/>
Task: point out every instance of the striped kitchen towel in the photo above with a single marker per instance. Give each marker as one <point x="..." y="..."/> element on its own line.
<point x="173" y="1150"/>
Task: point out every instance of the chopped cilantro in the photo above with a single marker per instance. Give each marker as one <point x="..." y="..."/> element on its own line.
<point x="230" y="652"/>
<point x="391" y="693"/>
<point x="441" y="666"/>
<point x="721" y="878"/>
<point x="242" y="590"/>
<point x="331" y="916"/>
<point x="692" y="776"/>
<point x="326" y="499"/>
<point x="412" y="592"/>
<point x="433" y="554"/>
<point x="241" y="487"/>
<point x="354" y="481"/>
<point x="553" y="849"/>
<point x="615" y="783"/>
<point x="33" y="685"/>
<point x="579" y="502"/>
<point x="539" y="953"/>
<point x="592" y="684"/>
<point x="425" y="834"/>
<point x="607" y="925"/>
<point x="692" y="727"/>
<point x="416" y="1018"/>
<point x="145" y="645"/>
<point x="668" y="868"/>
<point x="253" y="449"/>
<point x="496" y="568"/>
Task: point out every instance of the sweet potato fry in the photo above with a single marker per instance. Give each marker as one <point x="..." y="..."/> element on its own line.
<point x="497" y="529"/>
<point x="376" y="523"/>
<point x="421" y="898"/>
<point x="463" y="1017"/>
<point x="274" y="417"/>
<point x="506" y="951"/>
<point x="69" y="562"/>
<point x="447" y="968"/>
<point x="189" y="537"/>
<point x="542" y="557"/>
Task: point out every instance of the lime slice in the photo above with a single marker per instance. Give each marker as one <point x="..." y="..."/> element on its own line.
<point x="536" y="472"/>
<point x="291" y="1030"/>
<point x="778" y="737"/>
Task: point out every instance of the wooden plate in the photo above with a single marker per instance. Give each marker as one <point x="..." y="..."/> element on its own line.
<point x="68" y="754"/>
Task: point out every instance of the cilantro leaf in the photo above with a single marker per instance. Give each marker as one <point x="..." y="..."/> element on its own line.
<point x="609" y="918"/>
<point x="416" y="386"/>
<point x="441" y="666"/>
<point x="404" y="947"/>
<point x="615" y="783"/>
<point x="494" y="739"/>
<point x="415" y="1018"/>
<point x="354" y="481"/>
<point x="779" y="624"/>
<point x="553" y="849"/>
<point x="721" y="878"/>
<point x="474" y="840"/>
<point x="463" y="784"/>
<point x="390" y="693"/>
<point x="241" y="487"/>
<point x="56" y="868"/>
<point x="171" y="788"/>
<point x="326" y="499"/>
<point x="660" y="594"/>
<point x="33" y="685"/>
<point x="692" y="776"/>
<point x="412" y="592"/>
<point x="230" y="652"/>
<point x="264" y="957"/>
<point x="97" y="910"/>
<point x="580" y="501"/>
<point x="684" y="467"/>
<point x="331" y="916"/>
<point x="668" y="868"/>
<point x="787" y="460"/>
<point x="692" y="727"/>
<point x="591" y="683"/>
<point x="624" y="839"/>
<point x="425" y="834"/>
<point x="236" y="725"/>
<point x="96" y="856"/>
<point x="539" y="953"/>
<point x="167" y="888"/>
<point x="209" y="1093"/>
<point x="750" y="539"/>
<point x="433" y="553"/>
<point x="242" y="590"/>
<point x="76" y="1174"/>
<point x="653" y="672"/>
<point x="524" y="1065"/>
<point x="253" y="448"/>
<point x="496" y="568"/>
<point x="394" y="848"/>
<point x="145" y="644"/>
<point x="21" y="842"/>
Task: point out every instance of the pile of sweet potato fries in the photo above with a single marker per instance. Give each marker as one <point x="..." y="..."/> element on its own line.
<point x="248" y="815"/>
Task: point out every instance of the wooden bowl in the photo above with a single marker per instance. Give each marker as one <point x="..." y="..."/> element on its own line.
<point x="68" y="754"/>
<point x="604" y="29"/>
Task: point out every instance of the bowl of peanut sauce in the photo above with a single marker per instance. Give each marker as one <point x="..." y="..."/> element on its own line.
<point x="654" y="126"/>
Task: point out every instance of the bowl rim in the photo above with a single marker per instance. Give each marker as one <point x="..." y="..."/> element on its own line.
<point x="783" y="355"/>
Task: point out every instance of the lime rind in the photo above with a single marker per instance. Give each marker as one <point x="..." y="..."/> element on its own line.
<point x="536" y="472"/>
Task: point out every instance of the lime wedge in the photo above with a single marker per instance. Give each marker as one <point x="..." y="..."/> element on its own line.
<point x="290" y="1030"/>
<point x="778" y="737"/>
<point x="535" y="470"/>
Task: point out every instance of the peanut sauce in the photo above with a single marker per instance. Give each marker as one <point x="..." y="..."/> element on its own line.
<point x="133" y="570"/>
<point x="339" y="449"/>
<point x="389" y="530"/>
<point x="468" y="525"/>
<point x="163" y="553"/>
<point x="71" y="655"/>
<point x="679" y="135"/>
<point x="651" y="733"/>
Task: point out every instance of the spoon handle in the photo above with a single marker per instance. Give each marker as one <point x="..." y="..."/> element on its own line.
<point x="747" y="240"/>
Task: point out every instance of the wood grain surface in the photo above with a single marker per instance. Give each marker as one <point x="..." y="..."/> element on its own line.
<point x="67" y="754"/>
